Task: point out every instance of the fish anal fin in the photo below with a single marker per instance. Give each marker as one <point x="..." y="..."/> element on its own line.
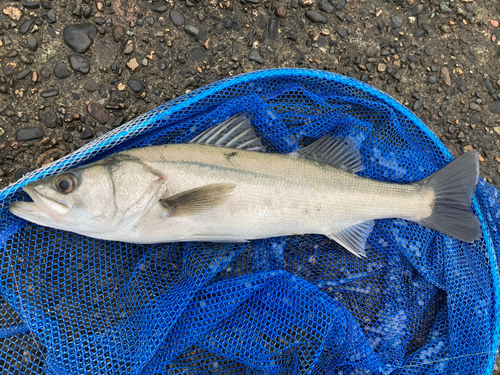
<point x="197" y="200"/>
<point x="354" y="237"/>
<point x="338" y="152"/>
<point x="236" y="132"/>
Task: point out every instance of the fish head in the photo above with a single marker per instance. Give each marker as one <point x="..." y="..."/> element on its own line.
<point x="101" y="200"/>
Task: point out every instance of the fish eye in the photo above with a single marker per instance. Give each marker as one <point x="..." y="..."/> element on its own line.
<point x="66" y="183"/>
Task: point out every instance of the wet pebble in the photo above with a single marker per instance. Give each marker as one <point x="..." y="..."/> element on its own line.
<point x="25" y="26"/>
<point x="177" y="18"/>
<point x="135" y="85"/>
<point x="79" y="37"/>
<point x="254" y="55"/>
<point x="97" y="113"/>
<point x="77" y="11"/>
<point x="48" y="117"/>
<point x="315" y="17"/>
<point x="227" y="23"/>
<point x="49" y="93"/>
<point x="417" y="9"/>
<point x="197" y="54"/>
<point x="325" y="6"/>
<point x="61" y="71"/>
<point x="118" y="32"/>
<point x="79" y="63"/>
<point x="428" y="52"/>
<point x="273" y="28"/>
<point x="446" y="75"/>
<point x="87" y="133"/>
<point x="340" y="4"/>
<point x="90" y="85"/>
<point x="432" y="79"/>
<point x="416" y="105"/>
<point x="192" y="30"/>
<point x="51" y="16"/>
<point x="88" y="12"/>
<point x="489" y="86"/>
<point x="23" y="74"/>
<point x="31" y="5"/>
<point x="494" y="107"/>
<point x="476" y="118"/>
<point x="29" y="134"/>
<point x="474" y="106"/>
<point x="419" y="34"/>
<point x="4" y="88"/>
<point x="396" y="22"/>
<point x="32" y="43"/>
<point x="12" y="53"/>
<point x="280" y="11"/>
<point x="158" y="7"/>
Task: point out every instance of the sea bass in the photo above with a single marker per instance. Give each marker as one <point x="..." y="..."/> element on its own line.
<point x="223" y="187"/>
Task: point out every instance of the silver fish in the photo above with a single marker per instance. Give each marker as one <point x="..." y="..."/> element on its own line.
<point x="222" y="187"/>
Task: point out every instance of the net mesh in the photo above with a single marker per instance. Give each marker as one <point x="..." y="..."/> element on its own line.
<point x="419" y="303"/>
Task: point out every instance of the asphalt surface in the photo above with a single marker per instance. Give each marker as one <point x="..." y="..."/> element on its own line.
<point x="72" y="70"/>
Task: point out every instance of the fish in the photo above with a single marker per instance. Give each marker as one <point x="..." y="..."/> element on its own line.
<point x="223" y="186"/>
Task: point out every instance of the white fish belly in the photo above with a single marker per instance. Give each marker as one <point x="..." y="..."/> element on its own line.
<point x="275" y="195"/>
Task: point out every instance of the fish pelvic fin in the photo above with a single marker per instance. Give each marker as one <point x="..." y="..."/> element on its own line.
<point x="453" y="187"/>
<point x="197" y="200"/>
<point x="354" y="237"/>
<point x="338" y="152"/>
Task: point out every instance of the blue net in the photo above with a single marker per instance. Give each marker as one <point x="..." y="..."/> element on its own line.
<point x="419" y="303"/>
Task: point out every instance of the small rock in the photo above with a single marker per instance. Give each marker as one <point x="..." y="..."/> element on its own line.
<point x="497" y="129"/>
<point x="121" y="87"/>
<point x="273" y="28"/>
<point x="118" y="121"/>
<point x="79" y="63"/>
<point x="118" y="32"/>
<point x="12" y="53"/>
<point x="325" y="6"/>
<point x="32" y="43"/>
<point x="2" y="173"/>
<point x="61" y="71"/>
<point x="315" y="17"/>
<point x="79" y="37"/>
<point x="101" y="131"/>
<point x="280" y="11"/>
<point x="227" y="23"/>
<point x="90" y="85"/>
<point x="129" y="48"/>
<point x="428" y="52"/>
<point x="67" y="137"/>
<point x="21" y="172"/>
<point x="133" y="64"/>
<point x="51" y="16"/>
<point x="476" y="118"/>
<point x="48" y="117"/>
<point x="4" y="88"/>
<point x="14" y="13"/>
<point x="23" y="74"/>
<point x="254" y="55"/>
<point x="105" y="52"/>
<point x="77" y="11"/>
<point x="494" y="23"/>
<point x="49" y="93"/>
<point x="417" y="9"/>
<point x="25" y="26"/>
<point x="446" y="75"/>
<point x="372" y="51"/>
<point x="192" y="30"/>
<point x="97" y="113"/>
<point x="474" y="106"/>
<point x="494" y="107"/>
<point x="87" y="133"/>
<point x="417" y="104"/>
<point x="158" y="7"/>
<point x="197" y="54"/>
<point x="444" y="7"/>
<point x="29" y="134"/>
<point x="432" y="79"/>
<point x="381" y="67"/>
<point x="177" y="18"/>
<point x="396" y="22"/>
<point x="489" y="86"/>
<point x="340" y="5"/>
<point x="135" y="85"/>
<point x="31" y="5"/>
<point x="419" y="34"/>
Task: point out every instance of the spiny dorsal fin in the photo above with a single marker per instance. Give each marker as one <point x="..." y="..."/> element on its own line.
<point x="235" y="132"/>
<point x="196" y="200"/>
<point x="354" y="238"/>
<point x="337" y="152"/>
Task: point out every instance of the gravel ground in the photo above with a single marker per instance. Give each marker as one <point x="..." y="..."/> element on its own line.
<point x="72" y="70"/>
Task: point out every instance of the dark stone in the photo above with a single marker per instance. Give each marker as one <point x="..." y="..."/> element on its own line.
<point x="12" y="53"/>
<point x="52" y="32"/>
<point x="90" y="85"/>
<point x="341" y="4"/>
<point x="135" y="85"/>
<point x="49" y="93"/>
<point x="325" y="6"/>
<point x="51" y="16"/>
<point x="87" y="133"/>
<point x="262" y="23"/>
<point x="88" y="12"/>
<point x="428" y="52"/>
<point x="79" y="37"/>
<point x="31" y="5"/>
<point x="489" y="86"/>
<point x="29" y="134"/>
<point x="162" y="65"/>
<point x="476" y="118"/>
<point x="315" y="17"/>
<point x="412" y="59"/>
<point x="197" y="54"/>
<point x="341" y="32"/>
<point x="79" y="63"/>
<point x="101" y="131"/>
<point x="77" y="11"/>
<point x="4" y="88"/>
<point x="227" y="22"/>
<point x="67" y="137"/>
<point x="150" y="21"/>
<point x="158" y="8"/>
<point x="254" y="55"/>
<point x="396" y="22"/>
<point x="25" y="26"/>
<point x="372" y="51"/>
<point x="21" y="172"/>
<point x="494" y="107"/>
<point x="432" y="79"/>
<point x="97" y="113"/>
<point x="32" y="43"/>
<point x="61" y="71"/>
<point x="23" y="74"/>
<point x="416" y="10"/>
<point x="280" y="11"/>
<point x="177" y="18"/>
<point x="273" y="28"/>
<point x="192" y="30"/>
<point x="105" y="53"/>
<point x="419" y="34"/>
<point x="118" y="121"/>
<point x="46" y="5"/>
<point x="118" y="32"/>
<point x="49" y="117"/>
<point x="417" y="104"/>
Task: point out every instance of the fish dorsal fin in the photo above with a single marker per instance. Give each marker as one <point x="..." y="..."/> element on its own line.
<point x="337" y="152"/>
<point x="197" y="200"/>
<point x="236" y="132"/>
<point x="354" y="238"/>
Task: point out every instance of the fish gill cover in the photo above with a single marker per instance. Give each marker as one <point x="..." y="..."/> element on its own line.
<point x="419" y="303"/>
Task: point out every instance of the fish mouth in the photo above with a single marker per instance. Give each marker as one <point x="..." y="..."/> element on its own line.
<point x="42" y="208"/>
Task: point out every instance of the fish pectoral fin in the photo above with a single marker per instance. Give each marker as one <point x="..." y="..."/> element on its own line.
<point x="354" y="238"/>
<point x="338" y="152"/>
<point x="196" y="200"/>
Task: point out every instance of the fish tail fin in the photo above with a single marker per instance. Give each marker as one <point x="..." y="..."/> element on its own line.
<point x="453" y="187"/>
